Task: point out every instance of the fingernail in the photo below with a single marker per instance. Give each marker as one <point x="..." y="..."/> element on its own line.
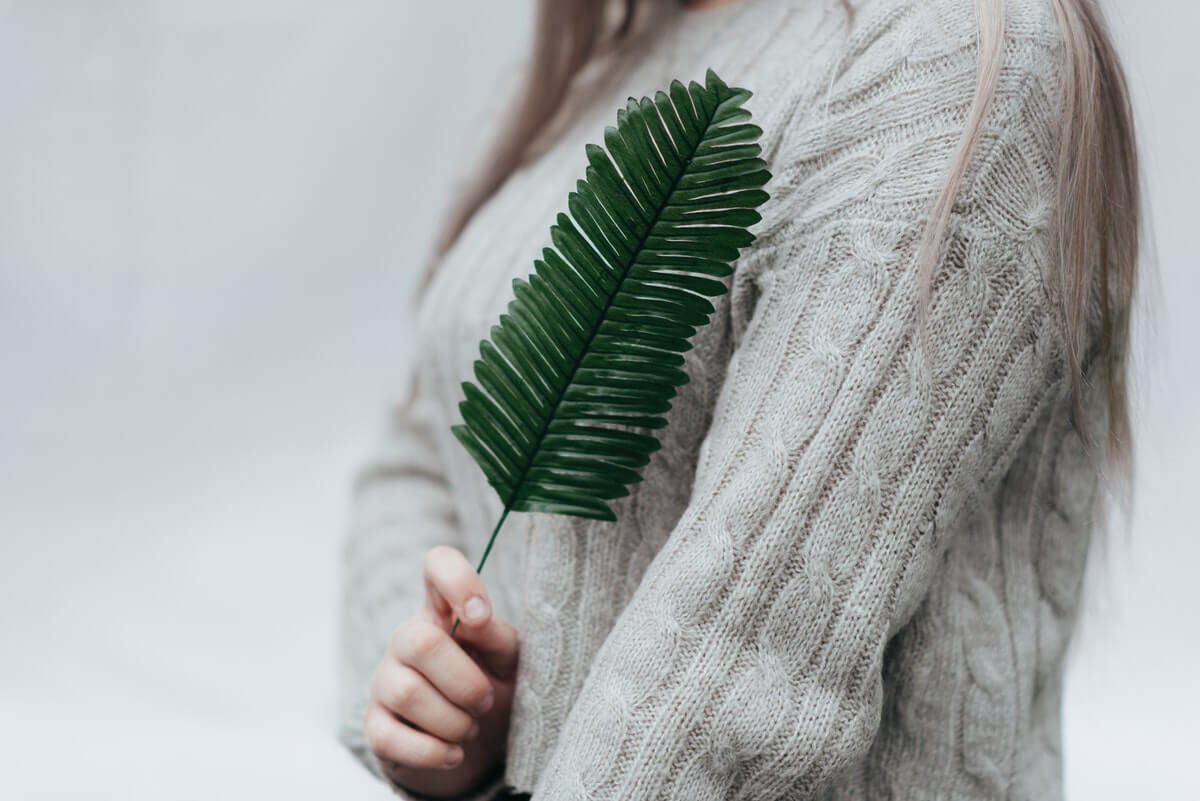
<point x="476" y="608"/>
<point x="473" y="732"/>
<point x="486" y="703"/>
<point x="453" y="756"/>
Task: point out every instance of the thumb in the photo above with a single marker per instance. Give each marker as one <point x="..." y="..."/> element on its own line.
<point x="495" y="646"/>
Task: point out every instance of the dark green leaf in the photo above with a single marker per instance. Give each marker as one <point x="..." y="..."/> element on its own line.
<point x="591" y="345"/>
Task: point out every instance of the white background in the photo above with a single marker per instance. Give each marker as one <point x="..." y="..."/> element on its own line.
<point x="211" y="215"/>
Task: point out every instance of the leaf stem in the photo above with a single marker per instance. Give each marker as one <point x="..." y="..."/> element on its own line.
<point x="486" y="551"/>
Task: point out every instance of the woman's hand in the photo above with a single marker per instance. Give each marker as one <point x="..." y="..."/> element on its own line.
<point x="437" y="717"/>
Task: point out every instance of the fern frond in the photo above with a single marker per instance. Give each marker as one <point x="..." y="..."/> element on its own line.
<point x="592" y="343"/>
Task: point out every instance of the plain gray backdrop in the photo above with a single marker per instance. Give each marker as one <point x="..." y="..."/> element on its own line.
<point x="211" y="216"/>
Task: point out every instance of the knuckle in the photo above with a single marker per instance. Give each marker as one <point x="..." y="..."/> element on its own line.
<point x="404" y="689"/>
<point x="375" y="729"/>
<point x="424" y="640"/>
<point x="437" y="554"/>
<point x="399" y="635"/>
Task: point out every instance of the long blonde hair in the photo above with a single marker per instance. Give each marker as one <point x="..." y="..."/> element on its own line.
<point x="1098" y="219"/>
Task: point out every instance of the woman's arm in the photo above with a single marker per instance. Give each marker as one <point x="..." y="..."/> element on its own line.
<point x="748" y="662"/>
<point x="402" y="508"/>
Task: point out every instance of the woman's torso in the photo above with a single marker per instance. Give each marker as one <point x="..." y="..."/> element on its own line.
<point x="972" y="683"/>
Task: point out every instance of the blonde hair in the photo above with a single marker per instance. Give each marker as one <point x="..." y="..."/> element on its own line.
<point x="1097" y="209"/>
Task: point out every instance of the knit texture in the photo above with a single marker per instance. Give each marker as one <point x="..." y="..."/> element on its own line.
<point x="852" y="570"/>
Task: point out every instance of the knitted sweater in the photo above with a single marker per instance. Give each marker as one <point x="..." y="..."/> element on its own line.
<point x="852" y="569"/>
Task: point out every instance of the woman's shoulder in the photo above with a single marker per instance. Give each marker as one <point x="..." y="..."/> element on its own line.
<point x="886" y="99"/>
<point x="856" y="49"/>
<point x="938" y="45"/>
<point x="954" y="23"/>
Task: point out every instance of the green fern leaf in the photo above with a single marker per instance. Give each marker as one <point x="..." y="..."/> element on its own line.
<point x="591" y="343"/>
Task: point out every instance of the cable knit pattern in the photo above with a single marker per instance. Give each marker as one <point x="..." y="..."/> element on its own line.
<point x="852" y="570"/>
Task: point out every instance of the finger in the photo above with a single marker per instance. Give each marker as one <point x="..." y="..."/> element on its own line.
<point x="437" y="608"/>
<point x="388" y="738"/>
<point x="451" y="580"/>
<point x="428" y="648"/>
<point x="495" y="645"/>
<point x="409" y="695"/>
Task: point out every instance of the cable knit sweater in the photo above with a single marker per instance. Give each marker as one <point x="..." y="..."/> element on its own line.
<point x="851" y="571"/>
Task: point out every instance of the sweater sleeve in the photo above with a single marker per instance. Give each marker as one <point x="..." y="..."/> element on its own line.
<point x="401" y="508"/>
<point x="748" y="663"/>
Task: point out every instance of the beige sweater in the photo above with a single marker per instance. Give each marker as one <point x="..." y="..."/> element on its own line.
<point x="851" y="571"/>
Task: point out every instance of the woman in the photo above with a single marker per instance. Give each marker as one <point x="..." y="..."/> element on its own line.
<point x="853" y="568"/>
